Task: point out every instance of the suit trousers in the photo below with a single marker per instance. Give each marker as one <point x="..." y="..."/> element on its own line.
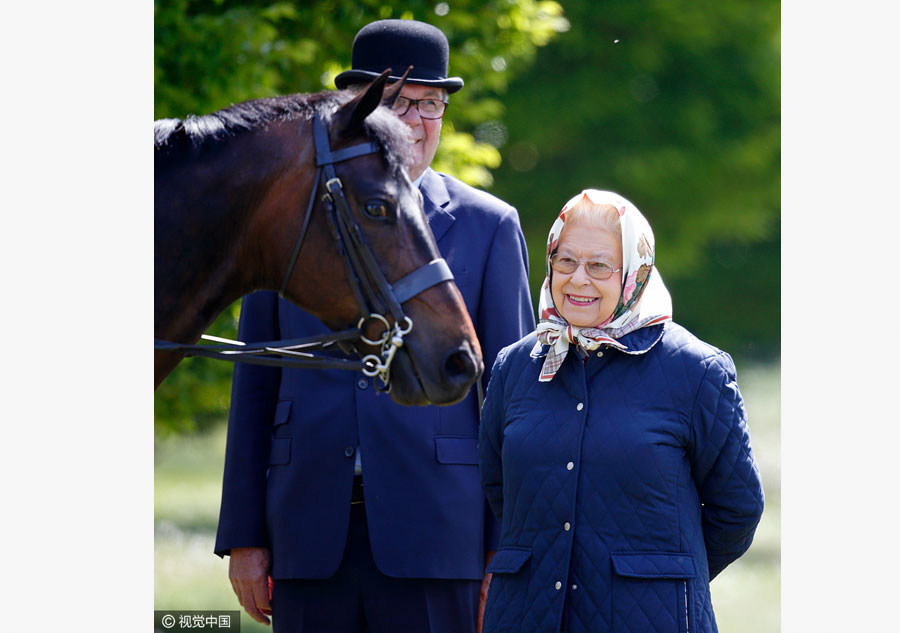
<point x="359" y="598"/>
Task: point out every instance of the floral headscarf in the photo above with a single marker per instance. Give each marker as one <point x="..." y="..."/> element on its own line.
<point x="644" y="300"/>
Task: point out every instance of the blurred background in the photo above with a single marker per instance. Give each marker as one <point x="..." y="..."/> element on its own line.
<point x="674" y="104"/>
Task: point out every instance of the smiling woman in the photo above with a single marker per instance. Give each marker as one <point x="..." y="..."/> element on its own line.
<point x="587" y="266"/>
<point x="622" y="469"/>
<point x="598" y="286"/>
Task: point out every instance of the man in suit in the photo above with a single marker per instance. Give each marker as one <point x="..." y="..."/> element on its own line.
<point x="365" y="514"/>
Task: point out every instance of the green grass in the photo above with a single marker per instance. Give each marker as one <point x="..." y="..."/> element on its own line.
<point x="188" y="485"/>
<point x="188" y="478"/>
<point x="747" y="595"/>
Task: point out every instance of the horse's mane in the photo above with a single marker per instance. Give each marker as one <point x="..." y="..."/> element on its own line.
<point x="177" y="139"/>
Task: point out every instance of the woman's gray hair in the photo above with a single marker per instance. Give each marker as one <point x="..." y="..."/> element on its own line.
<point x="592" y="215"/>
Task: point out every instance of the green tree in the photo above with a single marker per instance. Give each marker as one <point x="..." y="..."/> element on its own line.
<point x="209" y="54"/>
<point x="675" y="105"/>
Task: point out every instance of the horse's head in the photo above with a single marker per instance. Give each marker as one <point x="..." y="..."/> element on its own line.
<point x="440" y="357"/>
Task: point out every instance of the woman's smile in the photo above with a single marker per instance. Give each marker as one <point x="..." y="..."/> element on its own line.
<point x="581" y="300"/>
<point x="586" y="242"/>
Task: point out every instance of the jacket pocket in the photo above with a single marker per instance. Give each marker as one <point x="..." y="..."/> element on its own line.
<point x="453" y="449"/>
<point x="506" y="599"/>
<point x="652" y="591"/>
<point x="508" y="560"/>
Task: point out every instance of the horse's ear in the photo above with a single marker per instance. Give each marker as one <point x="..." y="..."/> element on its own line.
<point x="393" y="91"/>
<point x="363" y="105"/>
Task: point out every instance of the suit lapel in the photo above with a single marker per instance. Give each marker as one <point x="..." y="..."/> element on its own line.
<point x="436" y="200"/>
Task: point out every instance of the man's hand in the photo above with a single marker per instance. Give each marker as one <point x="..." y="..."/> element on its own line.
<point x="248" y="572"/>
<point x="482" y="596"/>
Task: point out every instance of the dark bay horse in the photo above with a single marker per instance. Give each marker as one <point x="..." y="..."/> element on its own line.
<point x="231" y="194"/>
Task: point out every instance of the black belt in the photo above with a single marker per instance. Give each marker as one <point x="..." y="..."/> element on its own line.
<point x="357" y="495"/>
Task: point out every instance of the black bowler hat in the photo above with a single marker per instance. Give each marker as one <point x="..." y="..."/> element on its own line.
<point x="398" y="44"/>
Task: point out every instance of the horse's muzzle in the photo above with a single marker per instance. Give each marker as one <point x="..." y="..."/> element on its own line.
<point x="447" y="383"/>
<point x="460" y="369"/>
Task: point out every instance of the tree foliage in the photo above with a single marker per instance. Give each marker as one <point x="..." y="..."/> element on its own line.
<point x="212" y="53"/>
<point x="675" y="105"/>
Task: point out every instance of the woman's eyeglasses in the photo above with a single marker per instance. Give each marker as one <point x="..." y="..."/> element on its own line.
<point x="596" y="269"/>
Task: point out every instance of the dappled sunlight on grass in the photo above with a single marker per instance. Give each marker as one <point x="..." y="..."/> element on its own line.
<point x="188" y="479"/>
<point x="188" y="487"/>
<point x="747" y="595"/>
<point x="188" y="574"/>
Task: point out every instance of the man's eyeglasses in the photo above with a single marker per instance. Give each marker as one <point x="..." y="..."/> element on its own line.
<point x="567" y="265"/>
<point x="428" y="108"/>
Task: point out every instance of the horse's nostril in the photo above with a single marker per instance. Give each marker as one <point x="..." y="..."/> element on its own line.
<point x="459" y="366"/>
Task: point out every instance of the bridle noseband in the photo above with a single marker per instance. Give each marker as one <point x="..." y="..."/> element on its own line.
<point x="375" y="297"/>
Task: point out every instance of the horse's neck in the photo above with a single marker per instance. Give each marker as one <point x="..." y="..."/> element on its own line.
<point x="187" y="307"/>
<point x="202" y="223"/>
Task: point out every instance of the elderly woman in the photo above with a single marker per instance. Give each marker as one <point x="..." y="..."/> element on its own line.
<point x="613" y="446"/>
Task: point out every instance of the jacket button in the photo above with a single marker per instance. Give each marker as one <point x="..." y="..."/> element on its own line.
<point x="362" y="383"/>
<point x="349" y="451"/>
<point x="567" y="526"/>
<point x="580" y="406"/>
<point x="599" y="354"/>
<point x="558" y="585"/>
<point x="574" y="587"/>
<point x="570" y="466"/>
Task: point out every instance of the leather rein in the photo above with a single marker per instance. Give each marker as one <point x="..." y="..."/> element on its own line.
<point x="375" y="297"/>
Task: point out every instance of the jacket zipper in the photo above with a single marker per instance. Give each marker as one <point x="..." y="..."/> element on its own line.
<point x="687" y="622"/>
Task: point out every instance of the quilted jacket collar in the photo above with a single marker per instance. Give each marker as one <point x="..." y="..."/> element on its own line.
<point x="642" y="341"/>
<point x="638" y="342"/>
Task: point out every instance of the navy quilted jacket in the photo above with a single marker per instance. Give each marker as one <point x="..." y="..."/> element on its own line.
<point x="623" y="486"/>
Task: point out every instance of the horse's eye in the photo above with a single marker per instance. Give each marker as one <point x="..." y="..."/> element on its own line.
<point x="377" y="208"/>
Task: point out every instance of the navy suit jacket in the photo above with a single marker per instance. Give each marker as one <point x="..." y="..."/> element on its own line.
<point x="293" y="433"/>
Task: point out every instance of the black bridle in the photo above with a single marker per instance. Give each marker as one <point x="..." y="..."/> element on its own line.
<point x="375" y="297"/>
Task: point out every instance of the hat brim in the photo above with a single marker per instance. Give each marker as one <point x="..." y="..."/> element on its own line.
<point x="350" y="77"/>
